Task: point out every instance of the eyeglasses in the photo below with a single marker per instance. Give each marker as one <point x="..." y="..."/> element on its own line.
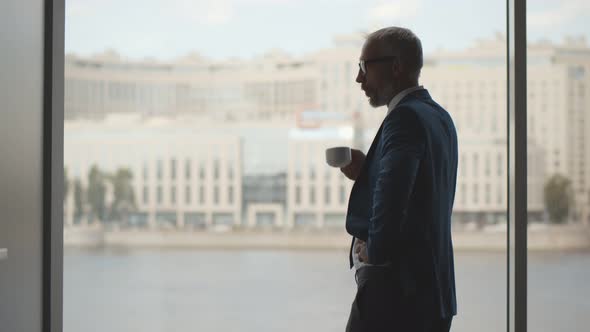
<point x="363" y="63"/>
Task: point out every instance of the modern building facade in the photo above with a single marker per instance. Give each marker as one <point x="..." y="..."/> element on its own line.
<point x="181" y="177"/>
<point x="278" y="90"/>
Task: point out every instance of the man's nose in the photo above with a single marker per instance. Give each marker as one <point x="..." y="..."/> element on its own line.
<point x="360" y="77"/>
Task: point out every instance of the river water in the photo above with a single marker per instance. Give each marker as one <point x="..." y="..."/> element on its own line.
<point x="202" y="290"/>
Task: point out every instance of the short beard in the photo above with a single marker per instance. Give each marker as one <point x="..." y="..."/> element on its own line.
<point x="382" y="97"/>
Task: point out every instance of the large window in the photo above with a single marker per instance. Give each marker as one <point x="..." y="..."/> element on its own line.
<point x="558" y="106"/>
<point x="246" y="97"/>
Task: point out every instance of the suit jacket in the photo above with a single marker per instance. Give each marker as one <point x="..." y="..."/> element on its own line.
<point x="401" y="202"/>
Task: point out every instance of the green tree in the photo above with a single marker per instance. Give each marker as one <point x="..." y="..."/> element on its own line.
<point x="79" y="200"/>
<point x="123" y="194"/>
<point x="96" y="193"/>
<point x="558" y="197"/>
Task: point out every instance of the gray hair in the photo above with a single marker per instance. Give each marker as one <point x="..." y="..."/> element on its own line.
<point x="403" y="43"/>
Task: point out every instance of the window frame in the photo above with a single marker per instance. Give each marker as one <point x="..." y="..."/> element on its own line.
<point x="53" y="106"/>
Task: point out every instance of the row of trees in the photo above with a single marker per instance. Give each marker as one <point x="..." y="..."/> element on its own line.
<point x="92" y="202"/>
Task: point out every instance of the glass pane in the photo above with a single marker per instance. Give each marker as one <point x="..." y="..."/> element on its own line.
<point x="558" y="120"/>
<point x="202" y="127"/>
<point x="470" y="83"/>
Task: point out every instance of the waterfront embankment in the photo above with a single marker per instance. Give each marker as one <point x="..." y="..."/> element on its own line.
<point x="540" y="237"/>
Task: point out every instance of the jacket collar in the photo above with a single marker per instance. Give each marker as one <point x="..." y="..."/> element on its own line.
<point x="400" y="96"/>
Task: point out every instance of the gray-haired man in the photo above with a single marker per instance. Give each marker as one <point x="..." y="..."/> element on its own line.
<point x="399" y="211"/>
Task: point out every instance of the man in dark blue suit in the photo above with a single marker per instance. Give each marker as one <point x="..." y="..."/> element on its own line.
<point x="399" y="211"/>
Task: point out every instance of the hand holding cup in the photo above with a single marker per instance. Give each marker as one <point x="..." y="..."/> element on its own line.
<point x="350" y="161"/>
<point x="353" y="169"/>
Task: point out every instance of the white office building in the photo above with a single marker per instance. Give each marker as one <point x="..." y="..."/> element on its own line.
<point x="277" y="89"/>
<point x="182" y="176"/>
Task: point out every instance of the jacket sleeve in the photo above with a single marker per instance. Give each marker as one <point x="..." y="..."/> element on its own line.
<point x="403" y="145"/>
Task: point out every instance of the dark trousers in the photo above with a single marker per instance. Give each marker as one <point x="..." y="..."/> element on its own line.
<point x="379" y="306"/>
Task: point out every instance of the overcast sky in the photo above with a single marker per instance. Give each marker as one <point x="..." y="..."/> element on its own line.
<point x="165" y="29"/>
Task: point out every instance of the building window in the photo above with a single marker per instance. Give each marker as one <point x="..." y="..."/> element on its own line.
<point x="202" y="170"/>
<point x="475" y="193"/>
<point x="488" y="166"/>
<point x="499" y="195"/>
<point x="187" y="169"/>
<point x="463" y="194"/>
<point x="187" y="194"/>
<point x="297" y="162"/>
<point x="500" y="165"/>
<point x="159" y="194"/>
<point x="160" y="166"/>
<point x="463" y="165"/>
<point x="173" y="195"/>
<point x="145" y="171"/>
<point x="216" y="169"/>
<point x="230" y="195"/>
<point x="297" y="195"/>
<point x="146" y="196"/>
<point x="488" y="194"/>
<point x="216" y="195"/>
<point x="475" y="164"/>
<point x="312" y="195"/>
<point x="202" y="194"/>
<point x="173" y="169"/>
<point x="327" y="195"/>
<point x="230" y="172"/>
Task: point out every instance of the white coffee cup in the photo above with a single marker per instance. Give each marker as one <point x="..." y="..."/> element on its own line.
<point x="339" y="156"/>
